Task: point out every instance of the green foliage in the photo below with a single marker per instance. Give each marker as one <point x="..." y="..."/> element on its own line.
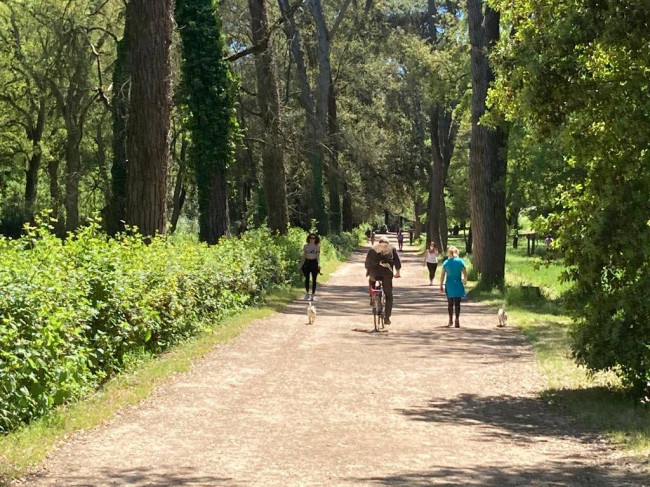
<point x="75" y="312"/>
<point x="578" y="71"/>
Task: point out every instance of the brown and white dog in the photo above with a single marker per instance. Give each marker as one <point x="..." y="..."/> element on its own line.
<point x="503" y="317"/>
<point x="311" y="313"/>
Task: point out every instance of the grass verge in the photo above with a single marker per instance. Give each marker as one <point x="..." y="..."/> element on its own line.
<point x="597" y="400"/>
<point x="21" y="450"/>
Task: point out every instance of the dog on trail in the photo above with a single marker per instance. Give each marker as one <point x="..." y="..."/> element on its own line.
<point x="503" y="317"/>
<point x="311" y="313"/>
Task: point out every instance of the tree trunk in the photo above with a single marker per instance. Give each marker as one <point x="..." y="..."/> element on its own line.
<point x="149" y="43"/>
<point x="179" y="187"/>
<point x="72" y="178"/>
<point x="314" y="140"/>
<point x="119" y="111"/>
<point x="35" y="134"/>
<point x="268" y="97"/>
<point x="247" y="168"/>
<point x="55" y="197"/>
<point x="102" y="161"/>
<point x="450" y="128"/>
<point x="444" y="225"/>
<point x="347" y="208"/>
<point x="417" y="210"/>
<point x="215" y="222"/>
<point x="487" y="154"/>
<point x="321" y="105"/>
<point x="437" y="181"/>
<point x="209" y="89"/>
<point x="333" y="172"/>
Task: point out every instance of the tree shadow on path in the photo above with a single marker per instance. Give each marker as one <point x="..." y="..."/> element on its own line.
<point x="143" y="476"/>
<point x="556" y="474"/>
<point x="527" y="421"/>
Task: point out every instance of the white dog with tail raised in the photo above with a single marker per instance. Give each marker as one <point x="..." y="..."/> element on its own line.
<point x="311" y="313"/>
<point x="502" y="316"/>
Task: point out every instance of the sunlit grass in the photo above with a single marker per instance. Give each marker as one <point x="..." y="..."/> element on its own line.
<point x="598" y="400"/>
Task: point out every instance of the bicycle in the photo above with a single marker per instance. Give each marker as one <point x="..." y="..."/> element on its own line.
<point x="378" y="303"/>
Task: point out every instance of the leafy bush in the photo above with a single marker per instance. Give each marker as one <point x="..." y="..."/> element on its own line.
<point x="73" y="312"/>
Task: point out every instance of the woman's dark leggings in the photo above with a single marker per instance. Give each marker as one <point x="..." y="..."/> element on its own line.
<point x="432" y="266"/>
<point x="453" y="304"/>
<point x="310" y="267"/>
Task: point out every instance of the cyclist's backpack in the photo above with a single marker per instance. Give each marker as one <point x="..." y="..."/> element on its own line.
<point x="382" y="254"/>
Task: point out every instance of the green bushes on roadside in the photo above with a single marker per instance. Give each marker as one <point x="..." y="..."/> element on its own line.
<point x="73" y="312"/>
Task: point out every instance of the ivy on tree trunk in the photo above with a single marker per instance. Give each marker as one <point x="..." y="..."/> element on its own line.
<point x="208" y="89"/>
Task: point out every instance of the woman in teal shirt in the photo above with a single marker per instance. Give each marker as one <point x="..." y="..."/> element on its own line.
<point x="456" y="272"/>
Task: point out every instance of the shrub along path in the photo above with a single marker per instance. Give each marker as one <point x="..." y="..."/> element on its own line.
<point x="332" y="404"/>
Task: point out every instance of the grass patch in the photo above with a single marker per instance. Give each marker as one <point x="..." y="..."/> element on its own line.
<point x="534" y="298"/>
<point x="27" y="446"/>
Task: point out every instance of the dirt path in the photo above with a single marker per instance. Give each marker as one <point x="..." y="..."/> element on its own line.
<point x="331" y="404"/>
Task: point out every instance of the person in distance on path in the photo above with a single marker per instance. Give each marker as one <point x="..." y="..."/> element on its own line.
<point x="431" y="261"/>
<point x="456" y="272"/>
<point x="310" y="263"/>
<point x="400" y="239"/>
<point x="380" y="261"/>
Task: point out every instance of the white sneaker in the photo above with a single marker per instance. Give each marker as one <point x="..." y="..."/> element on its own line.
<point x="306" y="297"/>
<point x="313" y="297"/>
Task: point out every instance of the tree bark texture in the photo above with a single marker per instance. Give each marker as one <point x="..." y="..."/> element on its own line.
<point x="35" y="135"/>
<point x="55" y="196"/>
<point x="179" y="186"/>
<point x="119" y="111"/>
<point x="487" y="154"/>
<point x="72" y="177"/>
<point x="348" y="222"/>
<point x="268" y="97"/>
<point x="436" y="189"/>
<point x="418" y="208"/>
<point x="246" y="169"/>
<point x="322" y="96"/>
<point x="149" y="41"/>
<point x="333" y="173"/>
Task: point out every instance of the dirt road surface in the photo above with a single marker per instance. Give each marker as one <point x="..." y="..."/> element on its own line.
<point x="289" y="404"/>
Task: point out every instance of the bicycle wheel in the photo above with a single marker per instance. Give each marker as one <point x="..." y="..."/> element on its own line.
<point x="380" y="311"/>
<point x="375" y="314"/>
<point x="383" y="309"/>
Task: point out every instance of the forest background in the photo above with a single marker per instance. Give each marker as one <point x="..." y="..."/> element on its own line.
<point x="216" y="119"/>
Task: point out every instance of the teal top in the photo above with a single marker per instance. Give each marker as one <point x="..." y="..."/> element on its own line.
<point x="454" y="282"/>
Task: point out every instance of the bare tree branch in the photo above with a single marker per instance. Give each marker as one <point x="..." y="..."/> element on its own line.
<point x="100" y="83"/>
<point x="339" y="19"/>
<point x="99" y="9"/>
<point x="261" y="46"/>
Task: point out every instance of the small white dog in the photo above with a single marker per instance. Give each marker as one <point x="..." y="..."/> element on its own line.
<point x="311" y="313"/>
<point x="503" y="317"/>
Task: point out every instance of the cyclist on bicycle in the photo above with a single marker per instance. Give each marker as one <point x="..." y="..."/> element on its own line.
<point x="380" y="261"/>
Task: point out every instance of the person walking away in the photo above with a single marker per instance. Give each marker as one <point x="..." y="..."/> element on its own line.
<point x="310" y="263"/>
<point x="380" y="261"/>
<point x="548" y="241"/>
<point x="372" y="238"/>
<point x="410" y="236"/>
<point x="431" y="261"/>
<point x="456" y="272"/>
<point x="400" y="239"/>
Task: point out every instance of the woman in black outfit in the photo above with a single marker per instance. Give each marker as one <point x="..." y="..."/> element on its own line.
<point x="310" y="263"/>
